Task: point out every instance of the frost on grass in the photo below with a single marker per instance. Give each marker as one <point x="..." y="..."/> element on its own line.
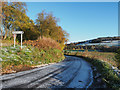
<point x="1" y="59"/>
<point x="11" y="53"/>
<point x="27" y="57"/>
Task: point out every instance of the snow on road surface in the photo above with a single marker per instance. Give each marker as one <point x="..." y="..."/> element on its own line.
<point x="73" y="72"/>
<point x="84" y="77"/>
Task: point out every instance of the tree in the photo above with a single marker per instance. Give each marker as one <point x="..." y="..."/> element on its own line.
<point x="40" y="21"/>
<point x="47" y="24"/>
<point x="1" y="30"/>
<point x="15" y="18"/>
<point x="11" y="12"/>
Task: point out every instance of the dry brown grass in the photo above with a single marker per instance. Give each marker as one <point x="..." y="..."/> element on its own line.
<point x="44" y="43"/>
<point x="104" y="56"/>
<point x="14" y="69"/>
<point x="7" y="42"/>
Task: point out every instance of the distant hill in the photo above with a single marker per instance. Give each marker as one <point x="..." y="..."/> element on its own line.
<point x="97" y="40"/>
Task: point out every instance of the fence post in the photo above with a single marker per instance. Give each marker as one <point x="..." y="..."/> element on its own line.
<point x="14" y="40"/>
<point x="21" y="41"/>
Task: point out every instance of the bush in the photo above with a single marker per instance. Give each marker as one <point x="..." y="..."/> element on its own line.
<point x="44" y="43"/>
<point x="117" y="56"/>
<point x="16" y="59"/>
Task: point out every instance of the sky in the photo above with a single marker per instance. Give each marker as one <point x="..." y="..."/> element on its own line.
<point x="62" y="0"/>
<point x="82" y="20"/>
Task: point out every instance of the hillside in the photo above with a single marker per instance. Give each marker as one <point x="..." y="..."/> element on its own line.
<point x="97" y="40"/>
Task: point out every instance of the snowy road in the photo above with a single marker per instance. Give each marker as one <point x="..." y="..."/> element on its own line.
<point x="73" y="72"/>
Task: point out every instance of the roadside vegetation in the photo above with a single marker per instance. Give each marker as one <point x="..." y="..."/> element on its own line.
<point x="43" y="39"/>
<point x="15" y="19"/>
<point x="117" y="56"/>
<point x="7" y="42"/>
<point x="104" y="63"/>
<point x="44" y="43"/>
<point x="107" y="57"/>
<point x="32" y="54"/>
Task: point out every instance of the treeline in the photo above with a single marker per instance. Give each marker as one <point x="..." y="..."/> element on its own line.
<point x="97" y="40"/>
<point x="92" y="47"/>
<point x="14" y="18"/>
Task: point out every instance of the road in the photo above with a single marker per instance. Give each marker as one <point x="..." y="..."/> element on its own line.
<point x="73" y="72"/>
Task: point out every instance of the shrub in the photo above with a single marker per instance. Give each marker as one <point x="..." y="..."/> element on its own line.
<point x="117" y="56"/>
<point x="44" y="43"/>
<point x="16" y="59"/>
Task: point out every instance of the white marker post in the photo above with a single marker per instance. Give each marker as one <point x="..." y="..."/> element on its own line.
<point x="21" y="41"/>
<point x="17" y="32"/>
<point x="14" y="39"/>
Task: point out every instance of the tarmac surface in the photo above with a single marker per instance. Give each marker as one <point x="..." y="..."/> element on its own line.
<point x="73" y="72"/>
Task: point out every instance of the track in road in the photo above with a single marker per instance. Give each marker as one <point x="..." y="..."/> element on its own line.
<point x="59" y="75"/>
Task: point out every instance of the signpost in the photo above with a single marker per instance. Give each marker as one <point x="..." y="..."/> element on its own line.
<point x="17" y="32"/>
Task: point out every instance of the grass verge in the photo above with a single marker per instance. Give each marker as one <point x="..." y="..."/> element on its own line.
<point x="103" y="64"/>
<point x="17" y="59"/>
